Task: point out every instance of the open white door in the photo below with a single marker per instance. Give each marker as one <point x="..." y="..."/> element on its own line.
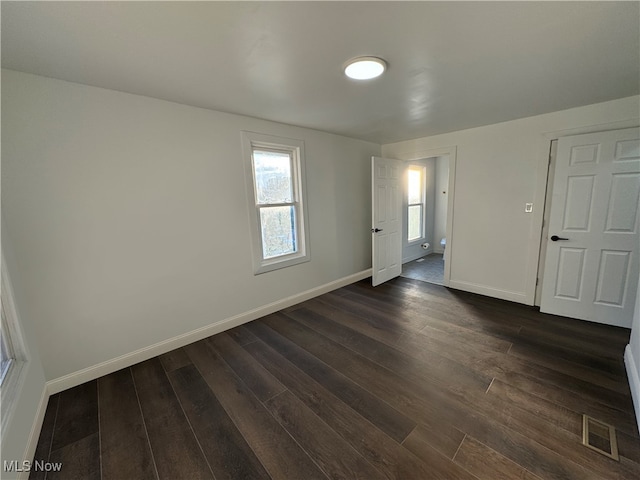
<point x="591" y="268"/>
<point x="386" y="207"/>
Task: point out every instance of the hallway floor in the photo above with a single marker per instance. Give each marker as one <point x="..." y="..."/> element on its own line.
<point x="430" y="269"/>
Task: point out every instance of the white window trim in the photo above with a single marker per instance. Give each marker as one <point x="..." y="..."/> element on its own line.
<point x="13" y="380"/>
<point x="251" y="141"/>
<point x="423" y="181"/>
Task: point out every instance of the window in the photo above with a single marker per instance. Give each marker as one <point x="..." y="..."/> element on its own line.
<point x="275" y="182"/>
<point x="13" y="352"/>
<point x="415" y="194"/>
<point x="8" y="356"/>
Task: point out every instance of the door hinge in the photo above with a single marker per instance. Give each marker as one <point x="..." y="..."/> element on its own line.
<point x="537" y="281"/>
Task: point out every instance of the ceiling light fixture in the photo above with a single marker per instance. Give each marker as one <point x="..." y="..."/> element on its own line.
<point x="364" y="68"/>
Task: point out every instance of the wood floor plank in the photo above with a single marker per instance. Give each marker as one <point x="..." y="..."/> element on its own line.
<point x="389" y="420"/>
<point x="434" y="314"/>
<point x="80" y="460"/>
<point x="421" y="402"/>
<point x="375" y="446"/>
<point x="164" y="419"/>
<point x="559" y="416"/>
<point x="390" y="331"/>
<point x="573" y="343"/>
<point x="226" y="450"/>
<point x="241" y="335"/>
<point x="570" y="396"/>
<point x="438" y="435"/>
<point x="77" y="415"/>
<point x="561" y="441"/>
<point x="43" y="449"/>
<point x="487" y="464"/>
<point x="564" y="389"/>
<point x="174" y="360"/>
<point x="363" y="381"/>
<point x="608" y="380"/>
<point x="330" y="451"/>
<point x="435" y="368"/>
<point x="278" y="452"/>
<point x="374" y="309"/>
<point x="612" y="366"/>
<point x="255" y="376"/>
<point x="124" y="446"/>
<point x="521" y="314"/>
<point x="528" y="376"/>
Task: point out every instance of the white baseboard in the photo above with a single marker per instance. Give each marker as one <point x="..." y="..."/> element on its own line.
<point x="518" y="297"/>
<point x="634" y="381"/>
<point x="34" y="434"/>
<point x="124" y="361"/>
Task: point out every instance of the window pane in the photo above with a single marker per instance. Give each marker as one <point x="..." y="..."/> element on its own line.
<point x="415" y="222"/>
<point x="278" y="226"/>
<point x="273" y="177"/>
<point x="415" y="186"/>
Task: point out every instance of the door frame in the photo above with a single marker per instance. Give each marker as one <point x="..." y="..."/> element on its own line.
<point x="439" y="152"/>
<point x="544" y="188"/>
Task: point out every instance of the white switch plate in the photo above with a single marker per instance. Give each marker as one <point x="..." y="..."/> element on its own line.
<point x="528" y="207"/>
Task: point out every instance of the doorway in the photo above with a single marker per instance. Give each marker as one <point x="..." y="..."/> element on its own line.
<point x="389" y="192"/>
<point x="425" y="207"/>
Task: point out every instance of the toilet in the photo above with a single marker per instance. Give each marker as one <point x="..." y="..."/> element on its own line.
<point x="443" y="244"/>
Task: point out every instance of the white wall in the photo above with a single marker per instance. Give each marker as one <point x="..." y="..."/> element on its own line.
<point x="130" y="220"/>
<point x="499" y="168"/>
<point x="25" y="413"/>
<point x="441" y="201"/>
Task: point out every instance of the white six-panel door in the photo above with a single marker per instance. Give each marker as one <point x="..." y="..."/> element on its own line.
<point x="591" y="269"/>
<point x="386" y="188"/>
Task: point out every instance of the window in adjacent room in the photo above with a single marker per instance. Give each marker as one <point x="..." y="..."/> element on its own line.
<point x="415" y="193"/>
<point x="275" y="168"/>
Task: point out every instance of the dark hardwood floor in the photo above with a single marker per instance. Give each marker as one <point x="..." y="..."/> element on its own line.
<point x="407" y="380"/>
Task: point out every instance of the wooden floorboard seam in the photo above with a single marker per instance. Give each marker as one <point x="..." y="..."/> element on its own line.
<point x="99" y="429"/>
<point x="489" y="387"/>
<point x="458" y="449"/>
<point x="144" y="423"/>
<point x="204" y="455"/>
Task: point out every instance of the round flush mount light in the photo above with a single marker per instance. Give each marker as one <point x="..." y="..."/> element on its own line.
<point x="364" y="68"/>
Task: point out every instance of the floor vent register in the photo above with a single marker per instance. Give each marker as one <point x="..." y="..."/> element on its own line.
<point x="599" y="436"/>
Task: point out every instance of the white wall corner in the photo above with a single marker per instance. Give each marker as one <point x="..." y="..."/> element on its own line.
<point x="634" y="381"/>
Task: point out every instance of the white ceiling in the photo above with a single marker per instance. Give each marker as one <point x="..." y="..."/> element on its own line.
<point x="452" y="65"/>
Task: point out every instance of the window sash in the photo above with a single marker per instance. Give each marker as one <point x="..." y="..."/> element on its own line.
<point x="289" y="239"/>
<point x="295" y="231"/>
<point x="292" y="172"/>
<point x="411" y="195"/>
<point x="260" y="206"/>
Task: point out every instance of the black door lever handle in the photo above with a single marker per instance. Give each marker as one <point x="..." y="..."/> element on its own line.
<point x="376" y="230"/>
<point x="555" y="238"/>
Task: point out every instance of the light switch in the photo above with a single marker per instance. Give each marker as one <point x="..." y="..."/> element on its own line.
<point x="528" y="207"/>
